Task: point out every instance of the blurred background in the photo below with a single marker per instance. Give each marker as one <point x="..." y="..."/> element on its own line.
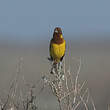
<point x="26" y="27"/>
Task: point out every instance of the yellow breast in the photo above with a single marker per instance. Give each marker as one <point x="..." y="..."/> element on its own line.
<point x="57" y="50"/>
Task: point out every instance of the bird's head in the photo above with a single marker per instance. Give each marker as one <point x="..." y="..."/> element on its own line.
<point x="58" y="32"/>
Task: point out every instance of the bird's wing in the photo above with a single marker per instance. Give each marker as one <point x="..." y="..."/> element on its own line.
<point x="50" y="50"/>
<point x="64" y="53"/>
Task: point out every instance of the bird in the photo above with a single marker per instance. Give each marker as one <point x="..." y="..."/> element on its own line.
<point x="57" y="46"/>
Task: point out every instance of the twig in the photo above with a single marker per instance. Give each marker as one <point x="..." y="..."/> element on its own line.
<point x="84" y="102"/>
<point x="79" y="102"/>
<point x="94" y="108"/>
<point x="76" y="81"/>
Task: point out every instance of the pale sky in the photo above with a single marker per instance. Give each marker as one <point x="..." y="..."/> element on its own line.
<point x="32" y="18"/>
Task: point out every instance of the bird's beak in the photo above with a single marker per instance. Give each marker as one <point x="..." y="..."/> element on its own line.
<point x="56" y="31"/>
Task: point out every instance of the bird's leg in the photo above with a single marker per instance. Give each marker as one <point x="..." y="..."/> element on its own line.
<point x="61" y="70"/>
<point x="57" y="67"/>
<point x="60" y="66"/>
<point x="53" y="68"/>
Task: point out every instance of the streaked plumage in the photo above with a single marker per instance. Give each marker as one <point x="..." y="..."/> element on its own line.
<point x="57" y="46"/>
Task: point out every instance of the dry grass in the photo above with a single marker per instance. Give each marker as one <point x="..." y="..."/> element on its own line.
<point x="70" y="93"/>
<point x="16" y="98"/>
